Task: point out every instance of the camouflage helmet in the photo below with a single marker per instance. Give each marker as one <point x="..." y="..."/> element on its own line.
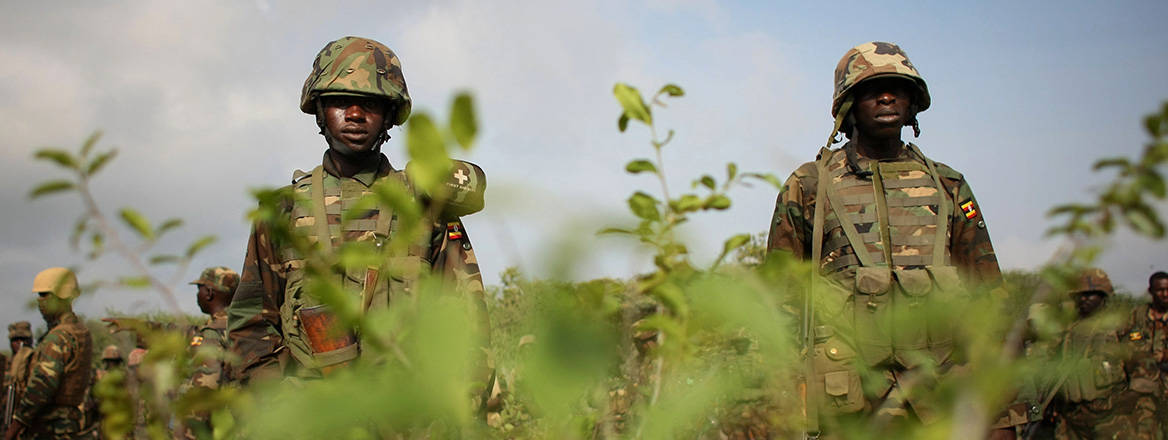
<point x="218" y="278"/>
<point x="111" y="353"/>
<point x="867" y="61"/>
<point x="1093" y="280"/>
<point x="59" y="281"/>
<point x="20" y="329"/>
<point x="361" y="67"/>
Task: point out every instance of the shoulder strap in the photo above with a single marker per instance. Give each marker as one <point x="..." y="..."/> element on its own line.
<point x="943" y="209"/>
<point x="845" y="220"/>
<point x="318" y="210"/>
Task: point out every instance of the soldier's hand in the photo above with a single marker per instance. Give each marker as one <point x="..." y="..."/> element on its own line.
<point x="14" y="430"/>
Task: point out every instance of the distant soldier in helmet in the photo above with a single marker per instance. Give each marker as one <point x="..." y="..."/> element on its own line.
<point x="276" y="325"/>
<point x="111" y="359"/>
<point x="61" y="365"/>
<point x="888" y="229"/>
<point x="1147" y="334"/>
<point x="216" y="285"/>
<point x="1096" y="400"/>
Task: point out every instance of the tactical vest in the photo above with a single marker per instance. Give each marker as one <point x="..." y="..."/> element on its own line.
<point x="1095" y="370"/>
<point x="76" y="376"/>
<point x="310" y="330"/>
<point x="881" y="239"/>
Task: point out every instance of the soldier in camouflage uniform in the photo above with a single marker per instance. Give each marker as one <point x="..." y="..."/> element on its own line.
<point x="1094" y="400"/>
<point x="357" y="92"/>
<point x="16" y="374"/>
<point x="1147" y="334"/>
<point x="111" y="359"/>
<point x="61" y="366"/>
<point x="888" y="229"/>
<point x="209" y="342"/>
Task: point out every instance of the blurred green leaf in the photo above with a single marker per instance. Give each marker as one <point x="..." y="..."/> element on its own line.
<point x="731" y="171"/>
<point x="622" y="122"/>
<point x="631" y="101"/>
<point x="673" y="297"/>
<point x="639" y="166"/>
<point x="672" y="90"/>
<point x="1144" y="220"/>
<point x="615" y="231"/>
<point x="60" y="157"/>
<point x="688" y="203"/>
<point x="137" y="222"/>
<point x="199" y="244"/>
<point x="708" y="181"/>
<point x="768" y="178"/>
<point x="135" y="282"/>
<point x="644" y="206"/>
<point x="100" y="161"/>
<point x="717" y="201"/>
<point x="51" y="187"/>
<point x="463" y="124"/>
<point x="429" y="164"/>
<point x="163" y="259"/>
<point x="1153" y="182"/>
<point x="735" y="242"/>
<point x="1112" y="162"/>
<point x="91" y="141"/>
<point x="168" y="225"/>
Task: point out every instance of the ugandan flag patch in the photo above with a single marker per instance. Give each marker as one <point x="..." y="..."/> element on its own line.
<point x="1135" y="336"/>
<point x="969" y="209"/>
<point x="196" y="341"/>
<point x="453" y="230"/>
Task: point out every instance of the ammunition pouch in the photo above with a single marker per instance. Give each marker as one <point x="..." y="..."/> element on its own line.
<point x="837" y="382"/>
<point x="900" y="314"/>
<point x="330" y="342"/>
<point x="1094" y="383"/>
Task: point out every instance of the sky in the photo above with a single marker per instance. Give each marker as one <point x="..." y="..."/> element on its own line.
<point x="201" y="101"/>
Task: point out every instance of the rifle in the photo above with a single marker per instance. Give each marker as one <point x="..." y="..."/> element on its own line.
<point x="10" y="393"/>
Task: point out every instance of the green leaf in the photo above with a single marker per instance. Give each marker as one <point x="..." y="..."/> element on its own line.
<point x="708" y="181"/>
<point x="688" y="203"/>
<point x="766" y="177"/>
<point x="717" y="201"/>
<point x="100" y="161"/>
<point x="1144" y="220"/>
<point x="164" y="259"/>
<point x="671" y="90"/>
<point x="644" y="206"/>
<point x="673" y="298"/>
<point x="87" y="146"/>
<point x="138" y="223"/>
<point x="167" y="226"/>
<point x="61" y="158"/>
<point x="98" y="241"/>
<point x="1153" y="182"/>
<point x="731" y="171"/>
<point x="50" y="187"/>
<point x="735" y="242"/>
<point x="199" y="244"/>
<point x="631" y="101"/>
<point x="615" y="231"/>
<point x="429" y="164"/>
<point x="135" y="282"/>
<point x="622" y="123"/>
<point x="79" y="229"/>
<point x="1153" y="124"/>
<point x="463" y="124"/>
<point x="1111" y="162"/>
<point x="640" y="166"/>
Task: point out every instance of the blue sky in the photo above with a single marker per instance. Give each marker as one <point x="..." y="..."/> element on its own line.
<point x="201" y="99"/>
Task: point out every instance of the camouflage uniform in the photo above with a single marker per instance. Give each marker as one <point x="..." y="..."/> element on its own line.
<point x="1147" y="335"/>
<point x="213" y="333"/>
<point x="59" y="375"/>
<point x="1095" y="400"/>
<point x="923" y="240"/>
<point x="17" y="371"/>
<point x="265" y="325"/>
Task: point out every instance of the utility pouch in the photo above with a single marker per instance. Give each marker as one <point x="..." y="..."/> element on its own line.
<point x="872" y="313"/>
<point x="945" y="302"/>
<point x="837" y="381"/>
<point x="911" y="328"/>
<point x="332" y="345"/>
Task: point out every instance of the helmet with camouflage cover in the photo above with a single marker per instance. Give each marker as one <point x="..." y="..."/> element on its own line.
<point x="1093" y="280"/>
<point x="218" y="278"/>
<point x="111" y="353"/>
<point x="867" y="61"/>
<point x="59" y="281"/>
<point x="357" y="66"/>
<point x="20" y="329"/>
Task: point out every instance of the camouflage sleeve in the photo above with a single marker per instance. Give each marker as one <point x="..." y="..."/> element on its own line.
<point x="253" y="317"/>
<point x="969" y="241"/>
<point x="454" y="259"/>
<point x="209" y="370"/>
<point x="44" y="377"/>
<point x="790" y="229"/>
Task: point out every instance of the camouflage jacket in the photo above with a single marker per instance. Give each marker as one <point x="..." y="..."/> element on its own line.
<point x="1147" y="335"/>
<point x="209" y="372"/>
<point x="17" y="371"/>
<point x="254" y="316"/>
<point x="969" y="242"/>
<point x="59" y="375"/>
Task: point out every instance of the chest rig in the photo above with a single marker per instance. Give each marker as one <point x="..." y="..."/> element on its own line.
<point x="881" y="239"/>
<point x="313" y="334"/>
<point x="1095" y="367"/>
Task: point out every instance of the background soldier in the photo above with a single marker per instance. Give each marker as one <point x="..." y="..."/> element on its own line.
<point x="1094" y="399"/>
<point x="216" y="287"/>
<point x="1148" y="335"/>
<point x="357" y="92"/>
<point x="16" y="375"/>
<point x="887" y="228"/>
<point x="61" y="366"/>
<point x="111" y="359"/>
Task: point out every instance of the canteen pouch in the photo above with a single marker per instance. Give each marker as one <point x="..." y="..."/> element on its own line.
<point x="837" y="381"/>
<point x="872" y="313"/>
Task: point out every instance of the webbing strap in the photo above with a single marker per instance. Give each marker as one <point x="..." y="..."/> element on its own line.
<point x="943" y="209"/>
<point x="845" y="220"/>
<point x="318" y="211"/>
<point x="883" y="225"/>
<point x="373" y="272"/>
<point x="811" y="402"/>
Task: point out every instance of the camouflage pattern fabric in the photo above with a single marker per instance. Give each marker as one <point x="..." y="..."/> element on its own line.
<point x="254" y="322"/>
<point x="969" y="245"/>
<point x="19" y="329"/>
<point x="1147" y="336"/>
<point x="870" y="60"/>
<point x="1124" y="415"/>
<point x="60" y="372"/>
<point x="219" y="278"/>
<point x="212" y="337"/>
<point x="354" y="65"/>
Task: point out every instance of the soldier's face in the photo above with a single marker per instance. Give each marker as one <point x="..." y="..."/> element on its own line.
<point x="50" y="306"/>
<point x="1088" y="302"/>
<point x="204" y="298"/>
<point x="355" y="122"/>
<point x="882" y="106"/>
<point x="1159" y="291"/>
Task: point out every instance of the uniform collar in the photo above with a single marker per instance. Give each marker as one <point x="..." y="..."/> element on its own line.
<point x="1156" y="316"/>
<point x="366" y="176"/>
<point x="859" y="165"/>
